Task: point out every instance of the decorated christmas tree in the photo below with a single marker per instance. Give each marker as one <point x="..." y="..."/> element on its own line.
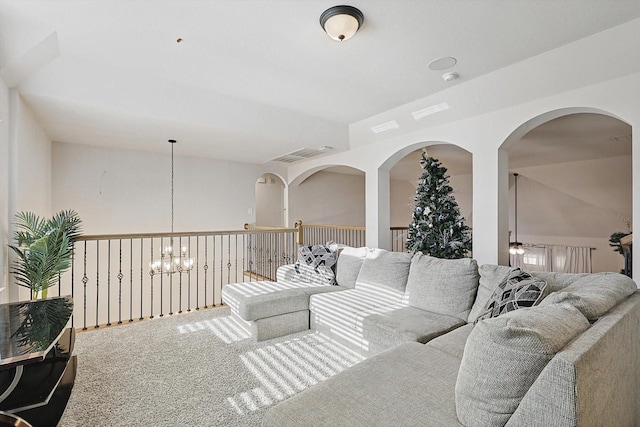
<point x="437" y="228"/>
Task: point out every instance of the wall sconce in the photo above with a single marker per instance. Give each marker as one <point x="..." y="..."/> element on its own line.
<point x="341" y="22"/>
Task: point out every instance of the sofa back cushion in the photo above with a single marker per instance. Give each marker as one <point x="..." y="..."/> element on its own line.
<point x="503" y="357"/>
<point x="557" y="281"/>
<point x="384" y="273"/>
<point x="595" y="294"/>
<point x="349" y="264"/>
<point x="442" y="286"/>
<point x="490" y="277"/>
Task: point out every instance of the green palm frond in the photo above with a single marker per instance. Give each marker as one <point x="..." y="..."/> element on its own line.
<point x="44" y="248"/>
<point x="29" y="228"/>
<point x="68" y="222"/>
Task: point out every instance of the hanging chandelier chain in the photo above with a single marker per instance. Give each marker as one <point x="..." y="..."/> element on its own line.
<point x="172" y="188"/>
<point x="516" y="203"/>
<point x="172" y="261"/>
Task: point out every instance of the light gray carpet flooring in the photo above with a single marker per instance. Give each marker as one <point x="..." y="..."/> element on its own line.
<point x="196" y="369"/>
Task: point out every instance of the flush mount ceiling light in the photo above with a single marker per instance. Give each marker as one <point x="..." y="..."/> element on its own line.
<point x="341" y="22"/>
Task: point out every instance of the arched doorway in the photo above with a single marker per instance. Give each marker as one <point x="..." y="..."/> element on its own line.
<point x="270" y="201"/>
<point x="404" y="176"/>
<point x="574" y="188"/>
<point x="334" y="195"/>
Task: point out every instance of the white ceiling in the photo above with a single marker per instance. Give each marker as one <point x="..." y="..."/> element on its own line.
<point x="256" y="79"/>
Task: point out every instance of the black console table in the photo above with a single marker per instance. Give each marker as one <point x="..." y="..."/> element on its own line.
<point x="37" y="368"/>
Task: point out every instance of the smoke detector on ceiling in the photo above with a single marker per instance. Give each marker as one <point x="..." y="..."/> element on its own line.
<point x="447" y="77"/>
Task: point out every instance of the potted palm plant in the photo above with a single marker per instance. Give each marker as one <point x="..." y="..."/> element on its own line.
<point x="43" y="248"/>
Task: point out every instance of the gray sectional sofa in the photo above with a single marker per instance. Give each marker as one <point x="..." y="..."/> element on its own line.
<point x="436" y="353"/>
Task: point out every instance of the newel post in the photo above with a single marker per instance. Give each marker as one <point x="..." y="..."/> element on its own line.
<point x="300" y="228"/>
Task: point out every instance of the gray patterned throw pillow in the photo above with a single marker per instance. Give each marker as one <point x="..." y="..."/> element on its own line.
<point x="519" y="289"/>
<point x="316" y="265"/>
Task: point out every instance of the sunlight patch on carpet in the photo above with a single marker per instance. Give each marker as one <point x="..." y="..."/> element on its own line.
<point x="287" y="368"/>
<point x="226" y="328"/>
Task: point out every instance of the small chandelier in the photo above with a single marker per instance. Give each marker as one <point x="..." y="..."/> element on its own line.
<point x="341" y="22"/>
<point x="516" y="247"/>
<point x="169" y="261"/>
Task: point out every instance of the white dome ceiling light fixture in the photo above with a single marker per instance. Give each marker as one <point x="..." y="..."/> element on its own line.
<point x="341" y="22"/>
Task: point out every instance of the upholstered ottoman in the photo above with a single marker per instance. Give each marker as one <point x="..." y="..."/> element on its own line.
<point x="268" y="310"/>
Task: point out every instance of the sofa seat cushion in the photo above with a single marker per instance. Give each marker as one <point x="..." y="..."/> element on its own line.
<point x="453" y="342"/>
<point x="384" y="273"/>
<point x="595" y="294"/>
<point x="443" y="286"/>
<point x="395" y="327"/>
<point x="350" y="306"/>
<point x="257" y="300"/>
<point x="409" y="385"/>
<point x="503" y="357"/>
<point x="342" y="313"/>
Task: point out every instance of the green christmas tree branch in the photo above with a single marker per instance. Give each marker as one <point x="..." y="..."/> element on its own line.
<point x="437" y="228"/>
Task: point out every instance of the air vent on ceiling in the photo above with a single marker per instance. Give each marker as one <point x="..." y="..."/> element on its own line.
<point x="301" y="154"/>
<point x="385" y="126"/>
<point x="430" y="110"/>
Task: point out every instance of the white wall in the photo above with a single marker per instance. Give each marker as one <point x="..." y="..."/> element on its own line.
<point x="603" y="258"/>
<point x="402" y="202"/>
<point x="270" y="208"/>
<point x="30" y="162"/>
<point x="125" y="191"/>
<point x="29" y="156"/>
<point x="4" y="189"/>
<point x="575" y="204"/>
<point x="328" y="198"/>
<point x="403" y="192"/>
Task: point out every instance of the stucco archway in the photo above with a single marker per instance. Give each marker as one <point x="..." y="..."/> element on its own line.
<point x="271" y="201"/>
<point x="328" y="195"/>
<point x="404" y="171"/>
<point x="578" y="208"/>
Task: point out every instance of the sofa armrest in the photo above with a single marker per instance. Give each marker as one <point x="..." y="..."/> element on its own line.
<point x="594" y="380"/>
<point x="286" y="273"/>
